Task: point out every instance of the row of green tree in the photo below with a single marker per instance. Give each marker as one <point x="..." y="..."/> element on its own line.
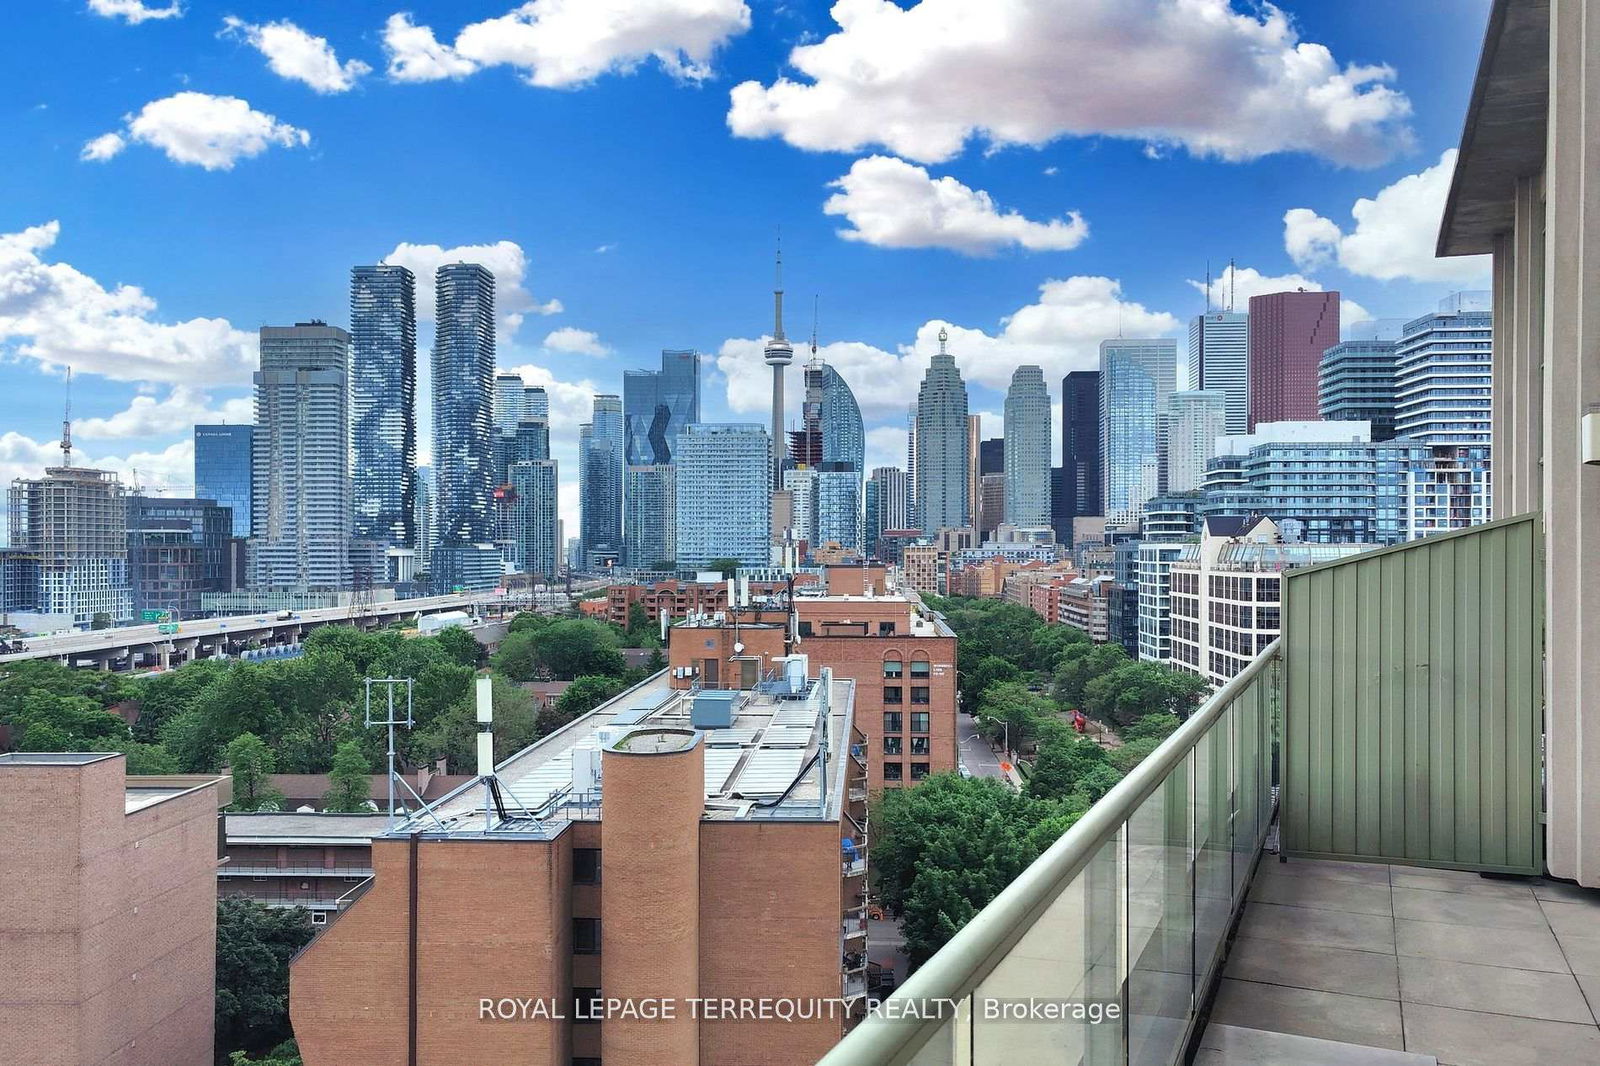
<point x="306" y="715"/>
<point x="943" y="850"/>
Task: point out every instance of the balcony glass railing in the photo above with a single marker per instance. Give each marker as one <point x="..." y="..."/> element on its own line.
<point x="1102" y="951"/>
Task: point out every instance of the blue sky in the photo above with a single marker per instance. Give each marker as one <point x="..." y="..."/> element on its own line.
<point x="1029" y="172"/>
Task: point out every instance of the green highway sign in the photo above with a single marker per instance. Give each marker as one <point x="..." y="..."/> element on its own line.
<point x="167" y="627"/>
<point x="153" y="614"/>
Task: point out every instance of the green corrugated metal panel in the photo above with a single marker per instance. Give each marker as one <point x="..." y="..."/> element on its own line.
<point x="1413" y="702"/>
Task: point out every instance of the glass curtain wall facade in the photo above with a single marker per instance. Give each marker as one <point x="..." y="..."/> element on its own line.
<point x="1355" y="382"/>
<point x="650" y="516"/>
<point x="535" y="487"/>
<point x="600" y="446"/>
<point x="657" y="404"/>
<point x="1136" y="381"/>
<point x="222" y="465"/>
<point x="383" y="403"/>
<point x="1080" y="450"/>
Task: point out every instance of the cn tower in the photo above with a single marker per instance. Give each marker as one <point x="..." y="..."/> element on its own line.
<point x="779" y="354"/>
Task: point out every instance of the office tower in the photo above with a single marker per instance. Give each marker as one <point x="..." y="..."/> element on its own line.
<point x="1443" y="379"/>
<point x="1219" y="361"/>
<point x="1136" y="379"/>
<point x="70" y="526"/>
<point x="801" y="486"/>
<point x="222" y="466"/>
<point x="1289" y="331"/>
<point x="300" y="503"/>
<point x="510" y="402"/>
<point x="723" y="496"/>
<point x="463" y="424"/>
<point x="1080" y="450"/>
<point x="831" y="441"/>
<point x="1355" y="382"/>
<point x="1195" y="419"/>
<point x="383" y="404"/>
<point x="650" y="516"/>
<point x="658" y="403"/>
<point x="942" y="434"/>
<point x="177" y="551"/>
<point x="974" y="440"/>
<point x="1027" y="450"/>
<point x="992" y="456"/>
<point x="600" y="446"/>
<point x="913" y="519"/>
<point x="779" y="353"/>
<point x="887" y="504"/>
<point x="535" y="402"/>
<point x="424" y="514"/>
<point x="535" y="491"/>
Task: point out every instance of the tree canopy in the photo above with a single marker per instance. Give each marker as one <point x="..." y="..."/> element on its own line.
<point x="254" y="945"/>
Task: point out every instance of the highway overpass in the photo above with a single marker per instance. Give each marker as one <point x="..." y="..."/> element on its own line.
<point x="145" y="647"/>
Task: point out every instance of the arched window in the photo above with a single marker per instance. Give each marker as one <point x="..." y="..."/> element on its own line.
<point x="893" y="668"/>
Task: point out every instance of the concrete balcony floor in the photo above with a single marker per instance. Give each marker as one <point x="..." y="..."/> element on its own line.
<point x="1358" y="963"/>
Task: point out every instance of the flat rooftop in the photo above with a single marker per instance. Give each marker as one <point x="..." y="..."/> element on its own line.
<point x="289" y="827"/>
<point x="766" y="765"/>
<point x="141" y="790"/>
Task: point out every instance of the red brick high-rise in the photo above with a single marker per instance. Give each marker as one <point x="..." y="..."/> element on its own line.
<point x="1289" y="331"/>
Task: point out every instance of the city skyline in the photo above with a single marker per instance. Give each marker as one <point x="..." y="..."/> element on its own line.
<point x="1035" y="302"/>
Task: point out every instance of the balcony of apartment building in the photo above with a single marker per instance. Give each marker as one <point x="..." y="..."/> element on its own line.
<point x="1339" y="858"/>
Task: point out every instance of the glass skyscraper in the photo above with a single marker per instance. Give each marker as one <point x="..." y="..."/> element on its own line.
<point x="1195" y="419"/>
<point x="600" y="457"/>
<point x="650" y="515"/>
<point x="724" y="498"/>
<point x="1136" y="379"/>
<point x="222" y="465"/>
<point x="463" y="426"/>
<point x="887" y="504"/>
<point x="1219" y="360"/>
<point x="657" y="404"/>
<point x="1080" y="450"/>
<point x="942" y="437"/>
<point x="463" y="400"/>
<point x="534" y="484"/>
<point x="1027" y="449"/>
<point x="383" y="400"/>
<point x="300" y="502"/>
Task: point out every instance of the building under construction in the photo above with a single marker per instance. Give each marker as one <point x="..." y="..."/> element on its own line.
<point x="69" y="546"/>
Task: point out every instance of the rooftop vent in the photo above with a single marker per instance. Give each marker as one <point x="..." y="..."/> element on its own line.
<point x="713" y="709"/>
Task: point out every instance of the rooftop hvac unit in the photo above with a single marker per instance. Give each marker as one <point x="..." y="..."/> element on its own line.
<point x="713" y="709"/>
<point x="584" y="767"/>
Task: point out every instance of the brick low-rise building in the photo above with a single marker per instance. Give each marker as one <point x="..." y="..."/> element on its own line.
<point x="108" y="934"/>
<point x="901" y="655"/>
<point x="621" y="882"/>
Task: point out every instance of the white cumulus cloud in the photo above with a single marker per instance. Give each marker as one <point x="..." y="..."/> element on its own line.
<point x="167" y="472"/>
<point x="1236" y="284"/>
<point x="562" y="43"/>
<point x="504" y="259"/>
<point x="1061" y="331"/>
<point x="183" y="407"/>
<point x="213" y="132"/>
<point x="58" y="316"/>
<point x="1394" y="235"/>
<point x="894" y="204"/>
<point x="923" y="80"/>
<point x="297" y="55"/>
<point x="576" y="342"/>
<point x="135" y="11"/>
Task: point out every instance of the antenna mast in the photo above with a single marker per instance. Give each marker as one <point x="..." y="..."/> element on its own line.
<point x="1208" y="286"/>
<point x="66" y="425"/>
